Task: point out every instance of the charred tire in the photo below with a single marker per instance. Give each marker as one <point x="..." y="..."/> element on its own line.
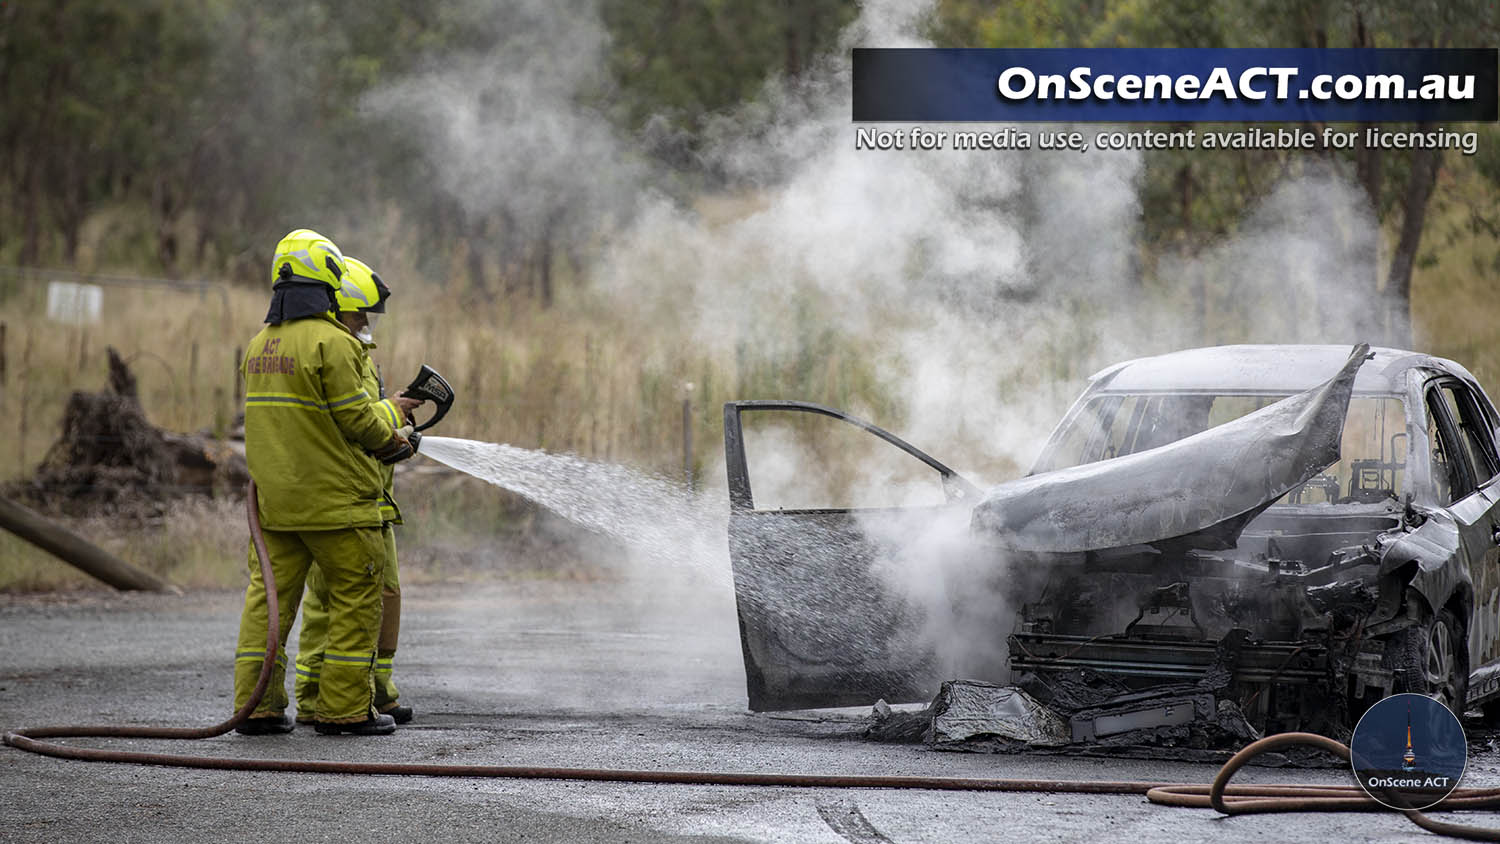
<point x="1432" y="659"/>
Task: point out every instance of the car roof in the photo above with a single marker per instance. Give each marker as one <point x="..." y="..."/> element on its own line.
<point x="1278" y="369"/>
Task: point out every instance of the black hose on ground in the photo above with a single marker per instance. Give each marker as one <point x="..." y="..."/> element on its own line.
<point x="1251" y="799"/>
<point x="1220" y="795"/>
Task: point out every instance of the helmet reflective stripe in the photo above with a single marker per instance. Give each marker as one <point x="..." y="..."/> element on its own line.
<point x="306" y="258"/>
<point x="358" y="291"/>
<point x="349" y="290"/>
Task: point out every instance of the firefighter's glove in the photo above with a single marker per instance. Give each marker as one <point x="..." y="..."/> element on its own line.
<point x="395" y="451"/>
<point x="412" y="437"/>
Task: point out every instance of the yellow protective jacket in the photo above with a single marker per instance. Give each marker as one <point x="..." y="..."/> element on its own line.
<point x="309" y="417"/>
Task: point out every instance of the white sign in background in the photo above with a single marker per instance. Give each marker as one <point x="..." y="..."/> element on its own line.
<point x="74" y="304"/>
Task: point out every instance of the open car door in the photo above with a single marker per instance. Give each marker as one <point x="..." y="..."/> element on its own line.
<point x="824" y="618"/>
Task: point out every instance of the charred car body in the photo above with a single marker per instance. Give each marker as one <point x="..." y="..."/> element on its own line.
<point x="1290" y="531"/>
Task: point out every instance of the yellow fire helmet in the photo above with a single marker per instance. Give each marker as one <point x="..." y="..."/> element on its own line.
<point x="306" y="256"/>
<point x="358" y="290"/>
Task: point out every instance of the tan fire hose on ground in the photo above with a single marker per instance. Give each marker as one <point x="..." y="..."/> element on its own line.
<point x="1220" y="795"/>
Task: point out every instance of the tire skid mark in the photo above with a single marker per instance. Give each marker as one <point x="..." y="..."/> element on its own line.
<point x="845" y="818"/>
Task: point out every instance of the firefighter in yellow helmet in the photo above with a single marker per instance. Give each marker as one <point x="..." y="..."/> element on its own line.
<point x="362" y="300"/>
<point x="309" y="421"/>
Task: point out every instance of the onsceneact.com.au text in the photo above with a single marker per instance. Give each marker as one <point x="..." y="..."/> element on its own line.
<point x="1254" y="83"/>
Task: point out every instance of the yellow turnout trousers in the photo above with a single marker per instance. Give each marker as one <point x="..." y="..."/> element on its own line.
<point x="311" y="642"/>
<point x="351" y="563"/>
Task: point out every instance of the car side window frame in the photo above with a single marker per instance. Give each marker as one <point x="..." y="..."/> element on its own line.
<point x="1473" y="428"/>
<point x="1491" y="415"/>
<point x="1482" y="427"/>
<point x="741" y="498"/>
<point x="1454" y="451"/>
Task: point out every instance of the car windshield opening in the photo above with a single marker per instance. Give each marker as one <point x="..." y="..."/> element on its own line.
<point x="1370" y="469"/>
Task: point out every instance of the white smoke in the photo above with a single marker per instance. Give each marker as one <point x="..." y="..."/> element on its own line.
<point x="507" y="129"/>
<point x="1299" y="268"/>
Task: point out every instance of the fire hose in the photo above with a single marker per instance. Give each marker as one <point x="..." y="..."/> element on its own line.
<point x="1218" y="795"/>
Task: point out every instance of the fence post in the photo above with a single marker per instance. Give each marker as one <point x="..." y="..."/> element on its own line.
<point x="3" y="389"/>
<point x="25" y="399"/>
<point x="238" y="385"/>
<point x="192" y="379"/>
<point x="687" y="433"/>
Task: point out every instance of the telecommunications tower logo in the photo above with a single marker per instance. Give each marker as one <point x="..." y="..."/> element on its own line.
<point x="1408" y="751"/>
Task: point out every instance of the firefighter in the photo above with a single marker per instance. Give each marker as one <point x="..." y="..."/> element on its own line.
<point x="362" y="299"/>
<point x="308" y="422"/>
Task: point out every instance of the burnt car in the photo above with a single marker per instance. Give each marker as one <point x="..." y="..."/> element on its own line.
<point x="1293" y="531"/>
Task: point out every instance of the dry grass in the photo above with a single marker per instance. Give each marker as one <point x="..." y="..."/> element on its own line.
<point x="576" y="378"/>
<point x="458" y="529"/>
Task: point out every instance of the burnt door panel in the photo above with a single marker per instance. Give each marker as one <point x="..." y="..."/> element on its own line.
<point x="817" y="626"/>
<point x="822" y="622"/>
<point x="1470" y="424"/>
<point x="1467" y="464"/>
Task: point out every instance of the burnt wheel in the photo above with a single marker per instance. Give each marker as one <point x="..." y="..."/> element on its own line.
<point x="1432" y="659"/>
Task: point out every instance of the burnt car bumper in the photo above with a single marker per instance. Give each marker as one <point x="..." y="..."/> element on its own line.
<point x="1108" y="685"/>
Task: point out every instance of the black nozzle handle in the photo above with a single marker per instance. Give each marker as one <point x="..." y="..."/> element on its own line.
<point x="430" y="386"/>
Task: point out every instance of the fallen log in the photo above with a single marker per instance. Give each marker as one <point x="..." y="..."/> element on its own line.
<point x="77" y="551"/>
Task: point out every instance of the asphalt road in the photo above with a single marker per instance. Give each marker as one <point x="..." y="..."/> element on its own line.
<point x="532" y="673"/>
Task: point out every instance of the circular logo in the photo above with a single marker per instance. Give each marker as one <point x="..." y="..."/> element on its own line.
<point x="1408" y="751"/>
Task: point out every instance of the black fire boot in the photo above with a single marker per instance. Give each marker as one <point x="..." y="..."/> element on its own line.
<point x="401" y="714"/>
<point x="268" y="725"/>
<point x="375" y="725"/>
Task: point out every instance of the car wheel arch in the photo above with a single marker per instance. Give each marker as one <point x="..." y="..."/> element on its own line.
<point x="1461" y="603"/>
<point x="1438" y="588"/>
<point x="1408" y="650"/>
<point x="1459" y="600"/>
